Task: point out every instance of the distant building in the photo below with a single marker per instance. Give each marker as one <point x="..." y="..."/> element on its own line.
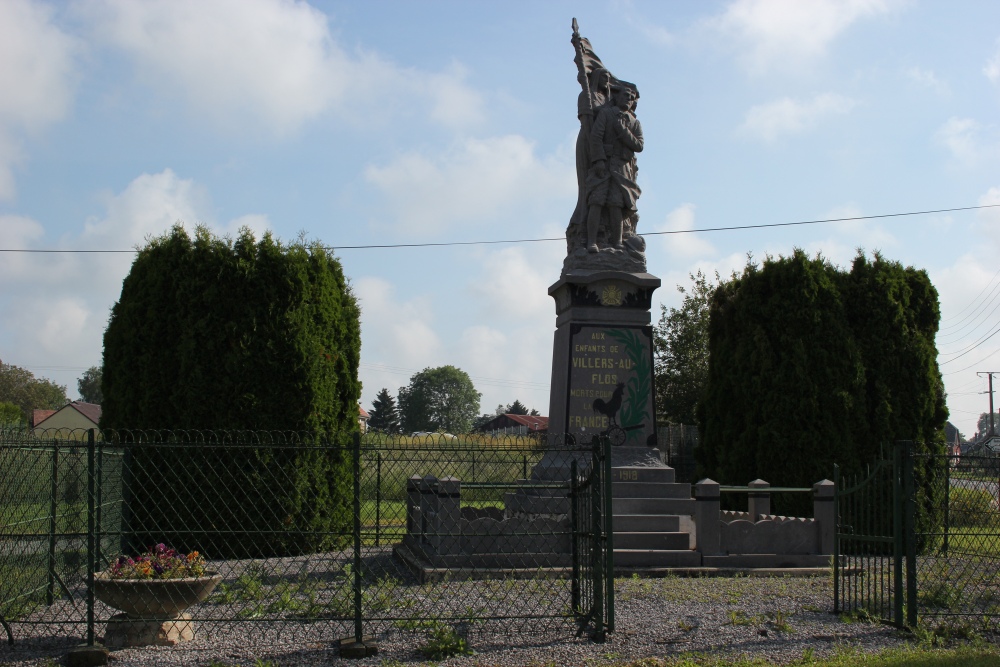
<point x="74" y="416"/>
<point x="363" y="418"/>
<point x="516" y="424"/>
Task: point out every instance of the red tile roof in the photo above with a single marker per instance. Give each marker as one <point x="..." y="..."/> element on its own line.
<point x="362" y="413"/>
<point x="534" y="423"/>
<point x="38" y="416"/>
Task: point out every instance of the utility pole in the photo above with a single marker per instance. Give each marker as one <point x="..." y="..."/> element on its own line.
<point x="990" y="375"/>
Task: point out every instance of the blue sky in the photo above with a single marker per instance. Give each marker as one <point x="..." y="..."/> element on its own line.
<point x="410" y="122"/>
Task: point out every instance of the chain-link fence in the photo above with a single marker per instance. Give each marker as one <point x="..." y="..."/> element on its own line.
<point x="956" y="564"/>
<point x="308" y="538"/>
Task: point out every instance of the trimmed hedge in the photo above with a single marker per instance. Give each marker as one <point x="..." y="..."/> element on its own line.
<point x="239" y="335"/>
<point x="811" y="365"/>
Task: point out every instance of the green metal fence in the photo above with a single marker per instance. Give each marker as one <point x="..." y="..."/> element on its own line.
<point x="890" y="565"/>
<point x="306" y="532"/>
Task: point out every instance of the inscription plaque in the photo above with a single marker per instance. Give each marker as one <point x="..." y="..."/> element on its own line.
<point x="610" y="384"/>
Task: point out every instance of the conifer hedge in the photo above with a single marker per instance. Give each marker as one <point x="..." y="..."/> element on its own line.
<point x="811" y="365"/>
<point x="227" y="336"/>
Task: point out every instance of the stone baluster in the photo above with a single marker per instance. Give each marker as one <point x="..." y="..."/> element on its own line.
<point x="758" y="502"/>
<point x="706" y="517"/>
<point x="825" y="513"/>
<point x="449" y="502"/>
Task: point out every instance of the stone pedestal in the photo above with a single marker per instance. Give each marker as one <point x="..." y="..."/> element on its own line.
<point x="602" y="369"/>
<point x="124" y="631"/>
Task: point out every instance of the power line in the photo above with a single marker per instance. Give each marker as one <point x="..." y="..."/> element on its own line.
<point x="560" y="238"/>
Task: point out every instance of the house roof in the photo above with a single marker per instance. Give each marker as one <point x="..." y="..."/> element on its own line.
<point x="39" y="415"/>
<point x="362" y="413"/>
<point x="91" y="411"/>
<point x="534" y="423"/>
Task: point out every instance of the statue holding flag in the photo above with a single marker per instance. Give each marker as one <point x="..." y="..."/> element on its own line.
<point x="601" y="232"/>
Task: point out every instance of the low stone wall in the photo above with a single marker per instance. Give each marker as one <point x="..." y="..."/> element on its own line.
<point x="757" y="538"/>
<point x="445" y="534"/>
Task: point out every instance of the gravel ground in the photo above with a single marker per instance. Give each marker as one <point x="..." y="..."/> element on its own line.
<point x="776" y="617"/>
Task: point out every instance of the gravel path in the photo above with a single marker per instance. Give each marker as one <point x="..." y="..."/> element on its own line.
<point x="776" y="617"/>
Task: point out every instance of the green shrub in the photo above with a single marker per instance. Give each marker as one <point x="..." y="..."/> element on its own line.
<point x="234" y="336"/>
<point x="971" y="508"/>
<point x="811" y="365"/>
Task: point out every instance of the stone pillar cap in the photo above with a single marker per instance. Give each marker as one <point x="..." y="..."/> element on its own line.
<point x="759" y="483"/>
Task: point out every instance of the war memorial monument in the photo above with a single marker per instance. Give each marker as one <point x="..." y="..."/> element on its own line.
<point x="602" y="390"/>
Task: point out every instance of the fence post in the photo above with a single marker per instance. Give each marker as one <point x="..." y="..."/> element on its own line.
<point x="947" y="501"/>
<point x="897" y="535"/>
<point x="609" y="525"/>
<point x="836" y="539"/>
<point x="378" y="498"/>
<point x="91" y="527"/>
<point x="596" y="489"/>
<point x="50" y="592"/>
<point x="99" y="514"/>
<point x="573" y="530"/>
<point x="909" y="523"/>
<point x="358" y="631"/>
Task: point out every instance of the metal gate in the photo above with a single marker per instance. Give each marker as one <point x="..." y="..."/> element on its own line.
<point x="592" y="535"/>
<point x="918" y="537"/>
<point x="868" y="563"/>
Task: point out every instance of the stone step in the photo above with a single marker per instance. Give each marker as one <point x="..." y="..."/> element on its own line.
<point x="650" y="490"/>
<point x="656" y="558"/>
<point x="663" y="475"/>
<point x="622" y="506"/>
<point x="647" y="523"/>
<point x="652" y="541"/>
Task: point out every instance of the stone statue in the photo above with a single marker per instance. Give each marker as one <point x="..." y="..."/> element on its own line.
<point x="602" y="230"/>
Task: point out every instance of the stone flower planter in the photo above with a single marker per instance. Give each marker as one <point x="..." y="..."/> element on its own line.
<point x="153" y="608"/>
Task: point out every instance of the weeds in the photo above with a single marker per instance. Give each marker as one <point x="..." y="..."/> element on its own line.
<point x="780" y="621"/>
<point x="444" y="642"/>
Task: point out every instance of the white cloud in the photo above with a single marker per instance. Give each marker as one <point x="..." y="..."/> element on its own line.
<point x="397" y="333"/>
<point x="268" y="62"/>
<point x="476" y="181"/>
<point x="513" y="285"/>
<point x="37" y="77"/>
<point x="968" y="141"/>
<point x="54" y="308"/>
<point x="681" y="246"/>
<point x="790" y="33"/>
<point x="992" y="67"/>
<point x="787" y="116"/>
<point x="927" y="79"/>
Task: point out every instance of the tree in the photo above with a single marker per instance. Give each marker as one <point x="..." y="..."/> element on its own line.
<point x="236" y="335"/>
<point x="983" y="425"/>
<point x="10" y="415"/>
<point x="384" y="417"/>
<point x="89" y="385"/>
<point x="439" y="399"/>
<point x="680" y="350"/>
<point x="20" y="387"/>
<point x="811" y="365"/>
<point x="516" y="408"/>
